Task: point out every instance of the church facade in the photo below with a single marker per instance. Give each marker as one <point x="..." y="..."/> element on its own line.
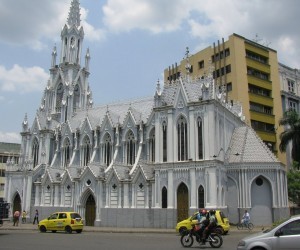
<point x="148" y="162"/>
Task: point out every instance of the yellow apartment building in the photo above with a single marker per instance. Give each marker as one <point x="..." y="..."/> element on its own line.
<point x="249" y="72"/>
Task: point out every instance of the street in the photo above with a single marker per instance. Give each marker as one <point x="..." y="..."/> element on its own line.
<point x="28" y="240"/>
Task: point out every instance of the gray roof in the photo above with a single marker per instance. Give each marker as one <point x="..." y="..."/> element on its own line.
<point x="246" y="147"/>
<point x="117" y="112"/>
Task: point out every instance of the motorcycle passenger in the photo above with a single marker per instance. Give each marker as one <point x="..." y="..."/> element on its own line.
<point x="203" y="220"/>
<point x="211" y="225"/>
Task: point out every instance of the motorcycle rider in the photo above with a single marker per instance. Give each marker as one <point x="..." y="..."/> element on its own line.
<point x="208" y="228"/>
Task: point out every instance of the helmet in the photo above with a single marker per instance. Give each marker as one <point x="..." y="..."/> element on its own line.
<point x="212" y="211"/>
<point x="203" y="211"/>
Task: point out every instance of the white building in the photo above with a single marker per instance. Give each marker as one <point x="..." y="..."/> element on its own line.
<point x="142" y="163"/>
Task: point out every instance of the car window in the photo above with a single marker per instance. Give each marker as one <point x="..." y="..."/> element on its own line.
<point x="53" y="216"/>
<point x="194" y="217"/>
<point x="62" y="216"/>
<point x="75" y="215"/>
<point x="222" y="216"/>
<point x="293" y="228"/>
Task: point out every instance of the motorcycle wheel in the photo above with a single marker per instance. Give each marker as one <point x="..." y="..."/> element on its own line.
<point x="216" y="241"/>
<point x="187" y="240"/>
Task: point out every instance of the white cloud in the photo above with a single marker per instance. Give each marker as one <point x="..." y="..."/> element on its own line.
<point x="22" y="79"/>
<point x="30" y="22"/>
<point x="10" y="137"/>
<point x="156" y="15"/>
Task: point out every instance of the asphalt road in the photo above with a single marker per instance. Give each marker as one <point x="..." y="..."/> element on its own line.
<point x="29" y="240"/>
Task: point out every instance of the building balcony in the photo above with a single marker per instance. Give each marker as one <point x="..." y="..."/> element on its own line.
<point x="262" y="117"/>
<point x="263" y="100"/>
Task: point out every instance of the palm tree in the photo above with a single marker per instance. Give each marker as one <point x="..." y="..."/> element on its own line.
<point x="291" y="121"/>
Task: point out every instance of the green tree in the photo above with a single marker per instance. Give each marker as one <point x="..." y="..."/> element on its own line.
<point x="291" y="121"/>
<point x="293" y="179"/>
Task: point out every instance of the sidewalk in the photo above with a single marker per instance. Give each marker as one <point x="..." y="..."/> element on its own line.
<point x="8" y="225"/>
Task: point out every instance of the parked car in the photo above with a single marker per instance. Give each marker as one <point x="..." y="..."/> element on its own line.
<point x="62" y="221"/>
<point x="222" y="221"/>
<point x="283" y="236"/>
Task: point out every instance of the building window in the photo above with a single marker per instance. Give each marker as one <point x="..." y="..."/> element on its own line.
<point x="59" y="97"/>
<point x="229" y="87"/>
<point x="130" y="146"/>
<point x="201" y="64"/>
<point x="76" y="98"/>
<point x="259" y="91"/>
<point x="293" y="105"/>
<point x="256" y="57"/>
<point x="262" y="126"/>
<point x="200" y="138"/>
<point x="201" y="203"/>
<point x="107" y="149"/>
<point x="164" y="127"/>
<point x="35" y="152"/>
<point x="257" y="73"/>
<point x="2" y="172"/>
<point x="164" y="198"/>
<point x="291" y="85"/>
<point x="261" y="108"/>
<point x="86" y="151"/>
<point x="67" y="153"/>
<point x="182" y="139"/>
<point x="152" y="146"/>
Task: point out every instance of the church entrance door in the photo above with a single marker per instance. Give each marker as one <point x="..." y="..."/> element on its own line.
<point x="90" y="211"/>
<point x="17" y="204"/>
<point x="182" y="202"/>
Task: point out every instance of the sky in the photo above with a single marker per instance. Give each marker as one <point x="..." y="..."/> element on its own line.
<point x="131" y="42"/>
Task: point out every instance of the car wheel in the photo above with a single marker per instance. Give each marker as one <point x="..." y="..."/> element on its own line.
<point x="182" y="230"/>
<point x="68" y="229"/>
<point x="79" y="231"/>
<point x="43" y="229"/>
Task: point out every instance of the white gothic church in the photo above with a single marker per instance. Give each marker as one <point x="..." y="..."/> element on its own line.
<point x="148" y="162"/>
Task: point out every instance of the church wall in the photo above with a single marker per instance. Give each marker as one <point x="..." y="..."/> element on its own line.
<point x="138" y="218"/>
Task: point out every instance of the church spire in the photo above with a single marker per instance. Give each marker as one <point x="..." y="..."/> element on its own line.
<point x="74" y="14"/>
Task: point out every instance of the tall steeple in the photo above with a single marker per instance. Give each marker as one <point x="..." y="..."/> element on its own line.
<point x="74" y="14"/>
<point x="72" y="36"/>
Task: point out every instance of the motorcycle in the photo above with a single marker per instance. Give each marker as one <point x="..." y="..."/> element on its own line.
<point x="187" y="239"/>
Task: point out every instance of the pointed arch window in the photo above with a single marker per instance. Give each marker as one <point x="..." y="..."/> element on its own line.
<point x="201" y="203"/>
<point x="165" y="144"/>
<point x="152" y="146"/>
<point x="76" y="98"/>
<point x="200" y="138"/>
<point x="182" y="145"/>
<point x="67" y="153"/>
<point x="164" y="198"/>
<point x="59" y="97"/>
<point x="130" y="146"/>
<point x="35" y="152"/>
<point x="86" y="151"/>
<point x="107" y="149"/>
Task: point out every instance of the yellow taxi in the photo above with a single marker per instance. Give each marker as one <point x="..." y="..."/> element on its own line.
<point x="223" y="225"/>
<point x="62" y="221"/>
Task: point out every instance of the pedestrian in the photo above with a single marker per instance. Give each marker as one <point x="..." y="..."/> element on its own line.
<point x="16" y="218"/>
<point x="36" y="217"/>
<point x="24" y="216"/>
